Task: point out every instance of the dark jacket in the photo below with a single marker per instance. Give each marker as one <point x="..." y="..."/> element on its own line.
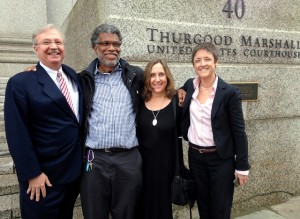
<point x="227" y="122"/>
<point x="132" y="77"/>
<point x="43" y="134"/>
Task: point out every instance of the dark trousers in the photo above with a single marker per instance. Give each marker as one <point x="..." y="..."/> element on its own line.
<point x="214" y="176"/>
<point x="112" y="186"/>
<point x="58" y="203"/>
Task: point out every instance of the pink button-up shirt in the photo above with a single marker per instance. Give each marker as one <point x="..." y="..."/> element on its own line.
<point x="200" y="130"/>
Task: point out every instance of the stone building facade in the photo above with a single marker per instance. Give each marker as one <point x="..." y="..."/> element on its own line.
<point x="259" y="43"/>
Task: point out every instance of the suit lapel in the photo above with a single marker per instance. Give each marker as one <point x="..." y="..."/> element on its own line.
<point x="218" y="97"/>
<point x="53" y="92"/>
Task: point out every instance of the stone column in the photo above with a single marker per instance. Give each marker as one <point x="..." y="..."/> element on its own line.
<point x="58" y="10"/>
<point x="19" y="19"/>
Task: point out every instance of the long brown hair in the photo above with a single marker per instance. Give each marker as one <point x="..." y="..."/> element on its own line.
<point x="170" y="88"/>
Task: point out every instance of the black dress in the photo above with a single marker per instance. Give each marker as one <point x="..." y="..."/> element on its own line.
<point x="157" y="150"/>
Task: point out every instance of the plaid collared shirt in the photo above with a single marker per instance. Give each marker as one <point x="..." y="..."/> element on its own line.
<point x="112" y="117"/>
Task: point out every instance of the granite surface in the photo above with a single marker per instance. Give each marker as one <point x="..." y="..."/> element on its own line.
<point x="259" y="42"/>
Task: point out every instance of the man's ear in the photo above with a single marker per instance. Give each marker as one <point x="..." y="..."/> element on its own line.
<point x="95" y="50"/>
<point x="35" y="48"/>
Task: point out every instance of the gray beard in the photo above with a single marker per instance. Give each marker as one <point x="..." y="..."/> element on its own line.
<point x="109" y="63"/>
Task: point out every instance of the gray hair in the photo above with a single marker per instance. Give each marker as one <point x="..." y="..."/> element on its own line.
<point x="44" y="29"/>
<point x="104" y="28"/>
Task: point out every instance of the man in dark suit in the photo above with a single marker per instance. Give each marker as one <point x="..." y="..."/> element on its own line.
<point x="43" y="113"/>
<point x="213" y="124"/>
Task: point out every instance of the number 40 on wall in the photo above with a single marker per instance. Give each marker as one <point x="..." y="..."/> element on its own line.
<point x="239" y="8"/>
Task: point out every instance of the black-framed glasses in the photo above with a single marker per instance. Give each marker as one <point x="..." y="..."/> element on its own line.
<point x="115" y="44"/>
<point x="48" y="43"/>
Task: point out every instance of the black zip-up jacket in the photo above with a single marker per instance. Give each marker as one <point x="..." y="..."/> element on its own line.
<point x="132" y="77"/>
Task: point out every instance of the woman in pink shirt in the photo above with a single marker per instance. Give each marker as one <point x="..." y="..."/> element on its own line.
<point x="213" y="124"/>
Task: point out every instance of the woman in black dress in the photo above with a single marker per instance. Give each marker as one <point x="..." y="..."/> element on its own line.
<point x="157" y="132"/>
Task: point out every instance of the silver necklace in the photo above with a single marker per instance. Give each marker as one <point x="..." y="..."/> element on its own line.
<point x="154" y="121"/>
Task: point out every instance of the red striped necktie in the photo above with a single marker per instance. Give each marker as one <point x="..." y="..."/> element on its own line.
<point x="64" y="89"/>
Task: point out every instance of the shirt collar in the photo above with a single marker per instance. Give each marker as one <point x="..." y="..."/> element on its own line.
<point x="49" y="70"/>
<point x="215" y="83"/>
<point x="196" y="83"/>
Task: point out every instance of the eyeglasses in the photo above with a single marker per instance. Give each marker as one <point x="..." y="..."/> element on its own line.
<point x="48" y="43"/>
<point x="107" y="44"/>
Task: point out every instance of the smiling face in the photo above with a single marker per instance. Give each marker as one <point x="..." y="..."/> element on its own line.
<point x="108" y="51"/>
<point x="49" y="48"/>
<point x="158" y="79"/>
<point x="204" y="64"/>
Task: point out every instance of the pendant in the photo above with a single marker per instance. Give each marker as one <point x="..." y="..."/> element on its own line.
<point x="154" y="122"/>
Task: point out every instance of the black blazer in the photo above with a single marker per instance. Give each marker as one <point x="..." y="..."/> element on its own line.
<point x="43" y="134"/>
<point x="227" y="121"/>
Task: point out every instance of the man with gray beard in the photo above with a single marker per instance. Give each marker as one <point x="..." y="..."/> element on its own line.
<point x="111" y="179"/>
